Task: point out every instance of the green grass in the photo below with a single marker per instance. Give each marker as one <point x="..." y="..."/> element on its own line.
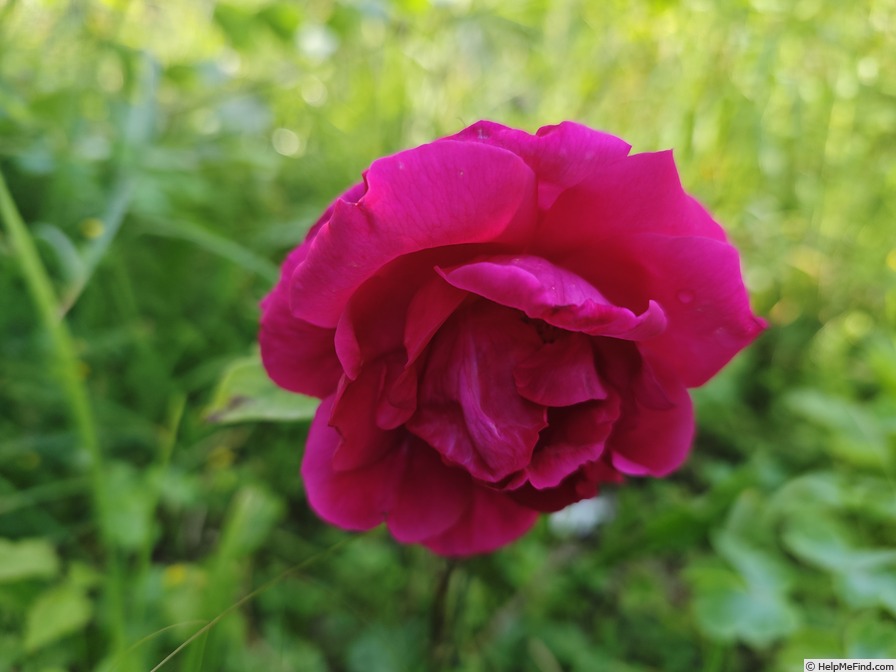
<point x="159" y="160"/>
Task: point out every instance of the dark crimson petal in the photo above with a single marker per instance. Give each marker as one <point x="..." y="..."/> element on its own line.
<point x="490" y="521"/>
<point x="468" y="406"/>
<point x="559" y="297"/>
<point x="560" y="373"/>
<point x="575" y="436"/>
<point x="441" y="194"/>
<point x="574" y="488"/>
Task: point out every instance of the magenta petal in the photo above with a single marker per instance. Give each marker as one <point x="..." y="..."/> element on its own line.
<point x="490" y="521"/>
<point x="298" y="356"/>
<point x="431" y="496"/>
<point x="468" y="405"/>
<point x="446" y="193"/>
<point x="639" y="194"/>
<point x="553" y="294"/>
<point x="562" y="155"/>
<point x="574" y="437"/>
<point x="430" y="307"/>
<point x="699" y="284"/>
<point x="651" y="441"/>
<point x="561" y="373"/>
<point x="398" y="400"/>
<point x="358" y="499"/>
<point x="354" y="418"/>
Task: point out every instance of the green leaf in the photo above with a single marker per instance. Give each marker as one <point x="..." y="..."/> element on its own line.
<point x="246" y="394"/>
<point x="128" y="522"/>
<point x="727" y="609"/>
<point x="761" y="570"/>
<point x="870" y="636"/>
<point x="252" y="515"/>
<point x="822" y="540"/>
<point x="857" y="435"/>
<point x="282" y="18"/>
<point x="58" y="612"/>
<point x="27" y="559"/>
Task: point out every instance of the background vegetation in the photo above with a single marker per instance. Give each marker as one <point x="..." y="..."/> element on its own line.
<point x="165" y="155"/>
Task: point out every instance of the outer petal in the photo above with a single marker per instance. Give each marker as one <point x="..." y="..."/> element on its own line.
<point x="468" y="406"/>
<point x="490" y="521"/>
<point x="298" y="356"/>
<point x="559" y="297"/>
<point x="431" y="496"/>
<point x="356" y="499"/>
<point x="562" y="156"/>
<point x="354" y="415"/>
<point x="640" y="194"/>
<point x="446" y="193"/>
<point x="698" y="283"/>
<point x="651" y="441"/>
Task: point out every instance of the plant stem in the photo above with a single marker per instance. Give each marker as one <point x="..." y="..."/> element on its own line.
<point x="441" y="619"/>
<point x="68" y="369"/>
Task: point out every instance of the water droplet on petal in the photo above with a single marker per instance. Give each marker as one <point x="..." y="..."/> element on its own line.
<point x="685" y="295"/>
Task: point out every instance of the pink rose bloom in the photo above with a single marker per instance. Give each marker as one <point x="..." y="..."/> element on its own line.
<point x="497" y="323"/>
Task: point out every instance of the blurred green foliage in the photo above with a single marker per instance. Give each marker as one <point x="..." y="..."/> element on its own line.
<point x="165" y="156"/>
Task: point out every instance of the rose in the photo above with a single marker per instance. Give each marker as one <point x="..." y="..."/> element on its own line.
<point x="497" y="323"/>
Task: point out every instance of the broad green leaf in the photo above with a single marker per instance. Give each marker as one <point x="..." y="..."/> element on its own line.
<point x="58" y="612"/>
<point x="246" y="394"/>
<point x="27" y="559"/>
<point x="871" y="636"/>
<point x="727" y="609"/>
<point x="822" y="540"/>
<point x="857" y="438"/>
<point x="761" y="569"/>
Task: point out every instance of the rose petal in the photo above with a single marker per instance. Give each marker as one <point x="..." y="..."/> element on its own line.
<point x="572" y="489"/>
<point x="574" y="437"/>
<point x="654" y="442"/>
<point x="562" y="155"/>
<point x="357" y="499"/>
<point x="490" y="521"/>
<point x="560" y="373"/>
<point x="639" y="194"/>
<point x="298" y="356"/>
<point x="699" y="284"/>
<point x="430" y="307"/>
<point x="553" y="294"/>
<point x="446" y="193"/>
<point x="431" y="496"/>
<point x="468" y="406"/>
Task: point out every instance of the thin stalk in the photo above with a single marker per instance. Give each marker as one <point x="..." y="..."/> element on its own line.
<point x="68" y="371"/>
